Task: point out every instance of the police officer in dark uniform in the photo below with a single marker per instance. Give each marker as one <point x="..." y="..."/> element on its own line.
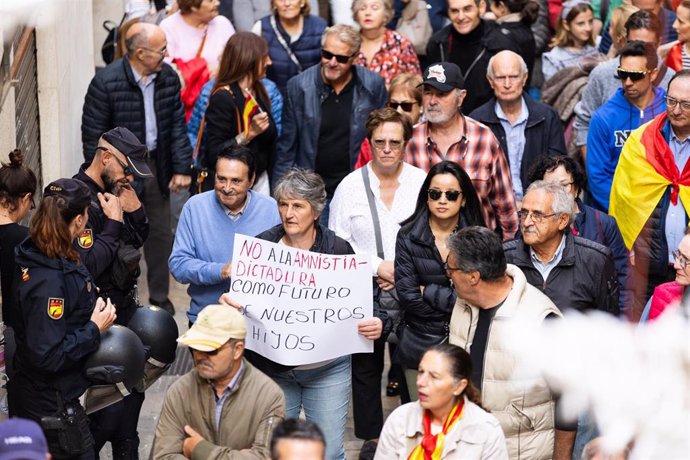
<point x="58" y="322"/>
<point x="109" y="246"/>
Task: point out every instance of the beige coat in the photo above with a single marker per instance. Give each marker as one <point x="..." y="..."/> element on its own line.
<point x="247" y="420"/>
<point x="525" y="409"/>
<point x="477" y="435"/>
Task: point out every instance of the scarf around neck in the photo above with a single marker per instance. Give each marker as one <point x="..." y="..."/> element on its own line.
<point x="431" y="446"/>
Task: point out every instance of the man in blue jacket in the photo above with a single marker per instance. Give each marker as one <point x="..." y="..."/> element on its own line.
<point x="637" y="102"/>
<point x="325" y="110"/>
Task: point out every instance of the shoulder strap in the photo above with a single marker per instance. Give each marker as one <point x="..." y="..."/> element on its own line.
<point x="200" y="134"/>
<point x="284" y="44"/>
<point x="374" y="212"/>
<point x="203" y="42"/>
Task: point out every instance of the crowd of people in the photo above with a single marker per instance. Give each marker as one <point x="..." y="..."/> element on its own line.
<point x="496" y="163"/>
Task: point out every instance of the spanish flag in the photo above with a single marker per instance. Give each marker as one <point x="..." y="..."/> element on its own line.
<point x="250" y="108"/>
<point x="645" y="170"/>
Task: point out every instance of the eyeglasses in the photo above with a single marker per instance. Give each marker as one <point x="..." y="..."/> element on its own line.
<point x="451" y="195"/>
<point x="327" y="55"/>
<point x="672" y="102"/>
<point x="681" y="259"/>
<point x="406" y="106"/>
<point x="537" y="216"/>
<point x="161" y="52"/>
<point x="126" y="169"/>
<point x="448" y="268"/>
<point x="633" y="75"/>
<point x="393" y="144"/>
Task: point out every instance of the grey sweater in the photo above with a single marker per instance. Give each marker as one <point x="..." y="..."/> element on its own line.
<point x="601" y="86"/>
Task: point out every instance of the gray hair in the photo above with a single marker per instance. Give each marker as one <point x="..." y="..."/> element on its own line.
<point x="387" y="9"/>
<point x="490" y="68"/>
<point x="346" y="34"/>
<point x="563" y="202"/>
<point x="302" y="184"/>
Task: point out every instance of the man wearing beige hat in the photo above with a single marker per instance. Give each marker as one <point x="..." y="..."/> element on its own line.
<point x="224" y="405"/>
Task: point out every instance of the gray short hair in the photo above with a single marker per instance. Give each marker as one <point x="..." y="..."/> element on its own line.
<point x="346" y="34"/>
<point x="563" y="202"/>
<point x="490" y="68"/>
<point x="302" y="184"/>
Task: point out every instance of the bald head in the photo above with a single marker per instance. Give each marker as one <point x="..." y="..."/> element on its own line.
<point x="146" y="48"/>
<point x="505" y="60"/>
<point x="140" y="34"/>
<point x="507" y="75"/>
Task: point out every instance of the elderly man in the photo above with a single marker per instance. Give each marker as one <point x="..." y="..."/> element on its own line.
<point x="224" y="408"/>
<point x="142" y="93"/>
<point x="449" y="135"/>
<point x="325" y="109"/>
<point x="572" y="271"/>
<point x="650" y="194"/>
<point x="634" y="104"/>
<point x="525" y="128"/>
<point x="202" y="253"/>
<point x="490" y="289"/>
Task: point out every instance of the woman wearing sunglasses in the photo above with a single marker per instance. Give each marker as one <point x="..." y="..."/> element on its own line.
<point x="446" y="203"/>
<point x="405" y="97"/>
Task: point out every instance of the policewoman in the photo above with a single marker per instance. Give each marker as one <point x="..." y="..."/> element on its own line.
<point x="58" y="322"/>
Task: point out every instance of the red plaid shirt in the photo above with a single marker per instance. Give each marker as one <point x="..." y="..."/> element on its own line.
<point x="481" y="157"/>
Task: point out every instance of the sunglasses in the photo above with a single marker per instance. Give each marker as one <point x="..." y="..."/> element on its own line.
<point x="126" y="169"/>
<point x="451" y="195"/>
<point x="327" y="55"/>
<point x="406" y="106"/>
<point x="633" y="75"/>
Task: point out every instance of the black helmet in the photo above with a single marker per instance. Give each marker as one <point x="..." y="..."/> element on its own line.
<point x="119" y="359"/>
<point x="158" y="332"/>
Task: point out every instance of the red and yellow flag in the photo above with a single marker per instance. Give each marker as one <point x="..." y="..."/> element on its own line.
<point x="250" y="108"/>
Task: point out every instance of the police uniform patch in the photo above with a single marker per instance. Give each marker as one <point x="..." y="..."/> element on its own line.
<point x="56" y="307"/>
<point x="25" y="274"/>
<point x="85" y="239"/>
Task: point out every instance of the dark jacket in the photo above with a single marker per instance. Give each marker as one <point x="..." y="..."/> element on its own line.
<point x="302" y="117"/>
<point x="326" y="242"/>
<point x="543" y="133"/>
<point x="584" y="279"/>
<point x="594" y="225"/>
<point x="98" y="248"/>
<point x="55" y="299"/>
<point x="307" y="49"/>
<point x="651" y="246"/>
<point x="418" y="263"/>
<point x="114" y="99"/>
<point x="477" y="86"/>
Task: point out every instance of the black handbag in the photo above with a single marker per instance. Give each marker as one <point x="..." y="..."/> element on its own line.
<point x="413" y="343"/>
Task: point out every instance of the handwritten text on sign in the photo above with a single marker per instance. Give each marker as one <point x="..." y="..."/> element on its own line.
<point x="301" y="307"/>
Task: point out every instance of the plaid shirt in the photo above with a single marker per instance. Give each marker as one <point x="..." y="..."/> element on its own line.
<point x="481" y="157"/>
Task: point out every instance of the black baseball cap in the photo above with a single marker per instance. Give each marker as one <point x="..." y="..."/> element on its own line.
<point x="444" y="76"/>
<point x="75" y="193"/>
<point x="126" y="142"/>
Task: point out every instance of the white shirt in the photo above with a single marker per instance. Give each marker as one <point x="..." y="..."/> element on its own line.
<point x="350" y="216"/>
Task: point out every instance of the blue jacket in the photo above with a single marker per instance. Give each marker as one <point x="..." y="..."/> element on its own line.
<point x="610" y="126"/>
<point x="204" y="243"/>
<point x="305" y="92"/>
<point x="307" y="49"/>
<point x="202" y="102"/>
<point x="594" y="225"/>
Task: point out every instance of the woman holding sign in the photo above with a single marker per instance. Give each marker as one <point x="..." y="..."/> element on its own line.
<point x="239" y="109"/>
<point x="446" y="203"/>
<point x="322" y="389"/>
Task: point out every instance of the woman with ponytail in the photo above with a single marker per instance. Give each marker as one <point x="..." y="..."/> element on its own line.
<point x="449" y="419"/>
<point x="58" y="322"/>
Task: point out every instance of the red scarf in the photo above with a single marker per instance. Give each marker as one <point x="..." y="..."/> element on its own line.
<point x="431" y="446"/>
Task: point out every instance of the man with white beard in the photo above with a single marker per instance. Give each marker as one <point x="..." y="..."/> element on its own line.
<point x="449" y="135"/>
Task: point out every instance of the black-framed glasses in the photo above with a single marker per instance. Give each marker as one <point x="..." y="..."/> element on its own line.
<point x="161" y="52"/>
<point x="633" y="75"/>
<point x="448" y="268"/>
<point x="537" y="216"/>
<point x="672" y="102"/>
<point x="451" y="195"/>
<point x="394" y="144"/>
<point x="341" y="59"/>
<point x="681" y="259"/>
<point x="407" y="106"/>
<point x="126" y="169"/>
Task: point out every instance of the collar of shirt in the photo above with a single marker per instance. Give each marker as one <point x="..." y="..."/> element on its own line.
<point x="142" y="81"/>
<point x="524" y="113"/>
<point x="238" y="214"/>
<point x="556" y="256"/>
<point x="231" y="386"/>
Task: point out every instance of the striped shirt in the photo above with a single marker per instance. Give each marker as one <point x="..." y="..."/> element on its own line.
<point x="480" y="155"/>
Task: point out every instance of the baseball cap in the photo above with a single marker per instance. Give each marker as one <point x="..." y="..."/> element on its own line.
<point x="75" y="193"/>
<point x="22" y="439"/>
<point x="126" y="142"/>
<point x="444" y="76"/>
<point x="215" y="325"/>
